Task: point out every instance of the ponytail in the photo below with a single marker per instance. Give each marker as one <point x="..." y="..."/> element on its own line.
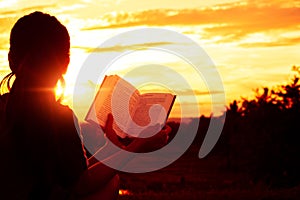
<point x="5" y="84"/>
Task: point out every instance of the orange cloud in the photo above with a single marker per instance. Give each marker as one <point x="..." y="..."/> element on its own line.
<point x="119" y="48"/>
<point x="280" y="42"/>
<point x="250" y="19"/>
<point x="230" y="21"/>
<point x="190" y="92"/>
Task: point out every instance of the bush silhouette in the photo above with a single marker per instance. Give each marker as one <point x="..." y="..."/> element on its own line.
<point x="262" y="134"/>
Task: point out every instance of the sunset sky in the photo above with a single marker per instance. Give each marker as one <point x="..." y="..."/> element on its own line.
<point x="252" y="43"/>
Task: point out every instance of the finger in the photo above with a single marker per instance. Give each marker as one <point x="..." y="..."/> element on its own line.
<point x="110" y="117"/>
<point x="167" y="129"/>
<point x="109" y="122"/>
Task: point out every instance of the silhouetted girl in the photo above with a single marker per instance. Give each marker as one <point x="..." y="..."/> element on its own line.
<point x="41" y="151"/>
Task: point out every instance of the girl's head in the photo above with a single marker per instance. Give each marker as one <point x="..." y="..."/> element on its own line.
<point x="39" y="49"/>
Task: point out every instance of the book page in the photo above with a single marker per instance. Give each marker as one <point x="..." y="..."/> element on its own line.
<point x="124" y="101"/>
<point x="152" y="108"/>
<point x="100" y="107"/>
<point x="115" y="96"/>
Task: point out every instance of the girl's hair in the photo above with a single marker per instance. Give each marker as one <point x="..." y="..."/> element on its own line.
<point x="39" y="46"/>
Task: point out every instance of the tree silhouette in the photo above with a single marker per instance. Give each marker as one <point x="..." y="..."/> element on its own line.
<point x="262" y="134"/>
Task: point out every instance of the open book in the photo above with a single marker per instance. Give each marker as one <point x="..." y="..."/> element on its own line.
<point x="132" y="111"/>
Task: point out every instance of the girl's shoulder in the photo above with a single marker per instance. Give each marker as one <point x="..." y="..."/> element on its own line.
<point x="64" y="113"/>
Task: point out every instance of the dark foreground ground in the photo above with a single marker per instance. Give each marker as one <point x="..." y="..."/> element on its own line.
<point x="191" y="178"/>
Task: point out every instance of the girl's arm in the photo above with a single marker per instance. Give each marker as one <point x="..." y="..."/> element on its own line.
<point x="98" y="174"/>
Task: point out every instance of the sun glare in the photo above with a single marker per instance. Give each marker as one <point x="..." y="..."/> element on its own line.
<point x="59" y="90"/>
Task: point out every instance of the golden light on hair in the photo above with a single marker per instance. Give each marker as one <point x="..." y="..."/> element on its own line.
<point x="59" y="90"/>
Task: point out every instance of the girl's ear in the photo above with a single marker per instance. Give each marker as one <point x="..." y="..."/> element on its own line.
<point x="10" y="60"/>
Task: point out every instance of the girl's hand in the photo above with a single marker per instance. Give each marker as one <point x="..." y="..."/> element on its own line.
<point x="110" y="132"/>
<point x="154" y="142"/>
<point x="140" y="144"/>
